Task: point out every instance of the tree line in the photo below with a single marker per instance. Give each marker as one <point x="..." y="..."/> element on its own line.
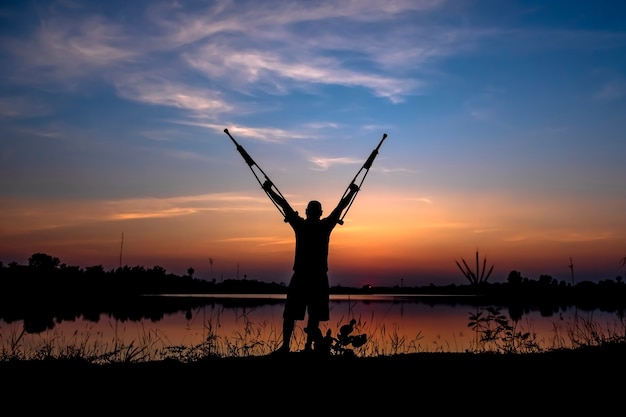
<point x="47" y="276"/>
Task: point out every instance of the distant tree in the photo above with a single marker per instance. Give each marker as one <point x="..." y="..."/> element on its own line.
<point x="515" y="278"/>
<point x="95" y="270"/>
<point x="43" y="261"/>
<point x="545" y="280"/>
<point x="190" y="272"/>
<point x="159" y="270"/>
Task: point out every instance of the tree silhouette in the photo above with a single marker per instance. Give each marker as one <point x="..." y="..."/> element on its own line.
<point x="43" y="262"/>
<point x="515" y="278"/>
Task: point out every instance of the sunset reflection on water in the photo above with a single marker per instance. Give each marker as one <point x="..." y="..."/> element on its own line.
<point x="393" y="325"/>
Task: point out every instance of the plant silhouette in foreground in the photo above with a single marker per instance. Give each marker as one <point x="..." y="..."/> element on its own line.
<point x="498" y="335"/>
<point x="343" y="344"/>
<point x="478" y="276"/>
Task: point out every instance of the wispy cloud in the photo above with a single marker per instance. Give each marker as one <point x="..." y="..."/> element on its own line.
<point x="324" y="163"/>
<point x="566" y="236"/>
<point x="265" y="240"/>
<point x="66" y="48"/>
<point x="184" y="205"/>
<point x="262" y="134"/>
<point x="157" y="90"/>
<point x="275" y="72"/>
<point x="402" y="170"/>
<point x="229" y="42"/>
<point x="612" y="90"/>
<point x="23" y="107"/>
<point x="27" y="215"/>
<point x="426" y="200"/>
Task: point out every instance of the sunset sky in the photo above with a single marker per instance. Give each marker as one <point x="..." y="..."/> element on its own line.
<point x="506" y="126"/>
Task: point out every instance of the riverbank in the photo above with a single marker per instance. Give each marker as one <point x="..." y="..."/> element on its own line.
<point x="557" y="381"/>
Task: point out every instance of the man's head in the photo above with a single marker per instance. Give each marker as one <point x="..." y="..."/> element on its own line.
<point x="314" y="210"/>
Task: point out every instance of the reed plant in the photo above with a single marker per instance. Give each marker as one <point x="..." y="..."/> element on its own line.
<point x="477" y="276"/>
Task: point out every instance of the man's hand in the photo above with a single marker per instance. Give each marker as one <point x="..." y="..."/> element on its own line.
<point x="267" y="185"/>
<point x="354" y="187"/>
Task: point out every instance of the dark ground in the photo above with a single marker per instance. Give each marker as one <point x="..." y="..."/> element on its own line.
<point x="589" y="380"/>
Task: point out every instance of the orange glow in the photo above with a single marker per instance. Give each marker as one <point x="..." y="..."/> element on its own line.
<point x="387" y="238"/>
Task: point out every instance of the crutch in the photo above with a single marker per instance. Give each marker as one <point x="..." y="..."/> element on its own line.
<point x="254" y="167"/>
<point x="366" y="166"/>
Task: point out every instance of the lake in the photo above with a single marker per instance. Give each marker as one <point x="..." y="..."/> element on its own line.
<point x="243" y="325"/>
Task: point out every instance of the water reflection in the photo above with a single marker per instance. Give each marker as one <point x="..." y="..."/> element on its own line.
<point x="236" y="325"/>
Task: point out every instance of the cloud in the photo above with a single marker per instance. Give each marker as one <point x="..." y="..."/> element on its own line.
<point x="575" y="237"/>
<point x="280" y="74"/>
<point x="66" y="48"/>
<point x="480" y="114"/>
<point x="325" y="163"/>
<point x="23" y="107"/>
<point x="425" y="200"/>
<point x="20" y="215"/>
<point x="268" y="47"/>
<point x="612" y="90"/>
<point x="184" y="205"/>
<point x="157" y="90"/>
<point x="402" y="170"/>
<point x="258" y="133"/>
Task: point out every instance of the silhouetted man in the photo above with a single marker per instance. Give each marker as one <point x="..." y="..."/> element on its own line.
<point x="308" y="288"/>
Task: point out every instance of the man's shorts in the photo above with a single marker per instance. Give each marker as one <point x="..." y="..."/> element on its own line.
<point x="308" y="291"/>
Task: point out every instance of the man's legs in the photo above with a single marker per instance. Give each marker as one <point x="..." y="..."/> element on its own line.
<point x="312" y="328"/>
<point x="295" y="307"/>
<point x="288" y="326"/>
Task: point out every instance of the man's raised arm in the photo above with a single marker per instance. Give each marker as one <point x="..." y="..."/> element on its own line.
<point x="345" y="201"/>
<point x="279" y="200"/>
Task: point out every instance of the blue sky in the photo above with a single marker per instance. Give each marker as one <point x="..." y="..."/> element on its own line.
<point x="505" y="124"/>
